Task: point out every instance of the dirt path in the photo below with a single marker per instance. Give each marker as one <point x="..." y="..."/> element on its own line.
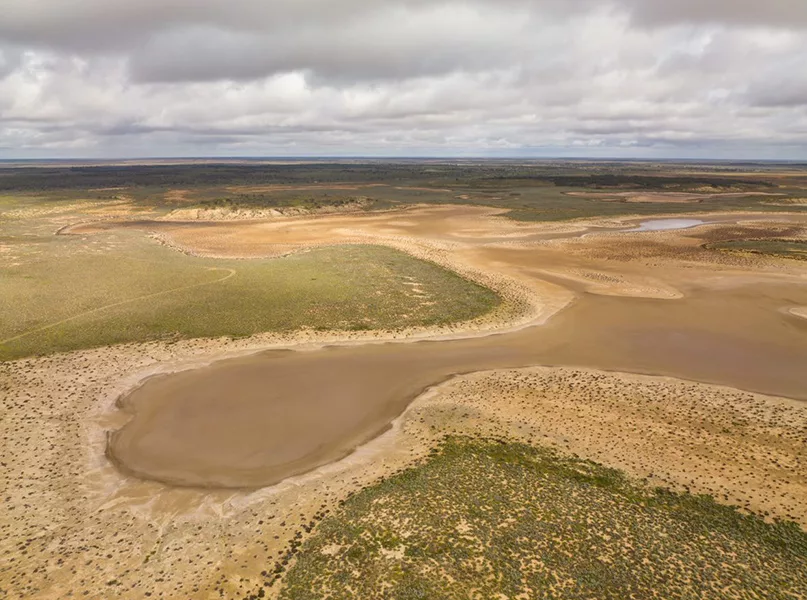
<point x="230" y="273"/>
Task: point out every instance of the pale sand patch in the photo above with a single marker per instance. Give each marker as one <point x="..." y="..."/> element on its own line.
<point x="111" y="209"/>
<point x="800" y="311"/>
<point x="609" y="284"/>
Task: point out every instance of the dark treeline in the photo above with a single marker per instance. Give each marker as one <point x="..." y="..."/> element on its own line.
<point x="616" y="180"/>
<point x="482" y="174"/>
<point x="61" y="178"/>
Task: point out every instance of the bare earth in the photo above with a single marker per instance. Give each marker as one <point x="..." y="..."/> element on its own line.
<point x="315" y="425"/>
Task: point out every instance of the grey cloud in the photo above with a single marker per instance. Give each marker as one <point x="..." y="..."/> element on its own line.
<point x="10" y="60"/>
<point x="782" y="84"/>
<point x="107" y="77"/>
<point x="349" y="40"/>
<point x="87" y="24"/>
<point x="779" y="94"/>
<point x="779" y="13"/>
<point x="364" y="50"/>
<point x="83" y="25"/>
<point x="117" y="24"/>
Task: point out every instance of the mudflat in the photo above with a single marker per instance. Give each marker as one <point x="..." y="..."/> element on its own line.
<point x="254" y="421"/>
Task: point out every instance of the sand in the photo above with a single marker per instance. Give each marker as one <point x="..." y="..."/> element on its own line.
<point x="655" y="303"/>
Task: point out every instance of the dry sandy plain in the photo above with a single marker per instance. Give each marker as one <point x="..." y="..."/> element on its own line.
<point x="640" y="350"/>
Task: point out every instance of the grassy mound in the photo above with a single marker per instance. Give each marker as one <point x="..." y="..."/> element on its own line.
<point x="781" y="248"/>
<point x="487" y="519"/>
<point x="65" y="294"/>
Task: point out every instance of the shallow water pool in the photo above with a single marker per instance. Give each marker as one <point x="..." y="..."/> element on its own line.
<point x="667" y="224"/>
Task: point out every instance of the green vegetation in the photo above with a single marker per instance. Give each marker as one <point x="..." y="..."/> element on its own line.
<point x="308" y="202"/>
<point x="473" y="173"/>
<point x="781" y="248"/>
<point x="530" y="190"/>
<point x="495" y="519"/>
<point x="562" y="207"/>
<point x="64" y="292"/>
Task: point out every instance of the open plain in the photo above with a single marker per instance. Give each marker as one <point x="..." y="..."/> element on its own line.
<point x="249" y="398"/>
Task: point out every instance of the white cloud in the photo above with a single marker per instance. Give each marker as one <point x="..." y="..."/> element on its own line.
<point x="110" y="78"/>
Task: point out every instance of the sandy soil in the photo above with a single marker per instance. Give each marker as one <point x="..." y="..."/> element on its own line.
<point x="73" y="524"/>
<point x="741" y="448"/>
<point x="643" y="302"/>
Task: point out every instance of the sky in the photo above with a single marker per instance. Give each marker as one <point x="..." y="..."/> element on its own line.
<point x="543" y="78"/>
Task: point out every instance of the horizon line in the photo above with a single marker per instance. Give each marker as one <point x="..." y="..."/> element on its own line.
<point x="400" y="158"/>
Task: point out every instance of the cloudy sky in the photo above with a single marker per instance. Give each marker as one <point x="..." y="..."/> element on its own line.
<point x="600" y="78"/>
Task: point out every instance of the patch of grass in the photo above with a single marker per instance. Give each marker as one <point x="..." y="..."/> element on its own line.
<point x="309" y="201"/>
<point x="66" y="293"/>
<point x="541" y="205"/>
<point x="494" y="519"/>
<point x="781" y="248"/>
